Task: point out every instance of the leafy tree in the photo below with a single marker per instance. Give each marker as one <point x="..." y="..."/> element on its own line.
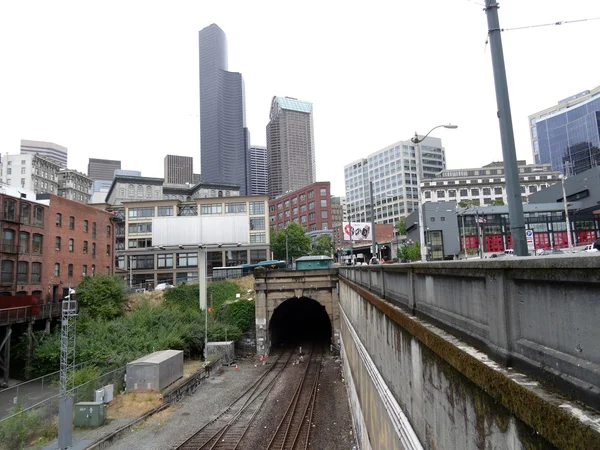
<point x="401" y="226"/>
<point x="468" y="203"/>
<point x="240" y="313"/>
<point x="101" y="296"/>
<point x="497" y="202"/>
<point x="298" y="242"/>
<point x="322" y="245"/>
<point x="408" y="253"/>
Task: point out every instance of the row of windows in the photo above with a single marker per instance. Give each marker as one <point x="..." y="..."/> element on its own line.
<point x="10" y="213"/>
<point x="8" y="242"/>
<point x="58" y="244"/>
<point x="486" y="191"/>
<point x="86" y="224"/>
<point x="311" y="216"/>
<point x="7" y="271"/>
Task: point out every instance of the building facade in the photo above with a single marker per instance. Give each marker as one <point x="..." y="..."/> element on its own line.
<point x="102" y="169"/>
<point x="75" y="186"/>
<point x="393" y="171"/>
<point x="50" y="243"/>
<point x="179" y="169"/>
<point x="258" y="172"/>
<point x="223" y="133"/>
<point x="309" y="206"/>
<point x="290" y="146"/>
<point x="567" y="135"/>
<point x="486" y="185"/>
<point x="48" y="150"/>
<point x="30" y="172"/>
<point x="145" y="265"/>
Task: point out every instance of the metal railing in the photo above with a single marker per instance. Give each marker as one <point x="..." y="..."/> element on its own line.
<point x="32" y="312"/>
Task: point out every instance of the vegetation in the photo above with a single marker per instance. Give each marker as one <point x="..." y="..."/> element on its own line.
<point x="497" y="202"/>
<point x="468" y="203"/>
<point x="101" y="296"/>
<point x="408" y="253"/>
<point x="322" y="245"/>
<point x="401" y="226"/>
<point x="14" y="431"/>
<point x="298" y="243"/>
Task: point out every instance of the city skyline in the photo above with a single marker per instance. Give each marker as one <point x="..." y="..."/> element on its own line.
<point x="360" y="107"/>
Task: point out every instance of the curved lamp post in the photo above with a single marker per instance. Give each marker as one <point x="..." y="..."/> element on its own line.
<point x="416" y="140"/>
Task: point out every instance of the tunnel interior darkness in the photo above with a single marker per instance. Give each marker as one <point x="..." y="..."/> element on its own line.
<point x="299" y="320"/>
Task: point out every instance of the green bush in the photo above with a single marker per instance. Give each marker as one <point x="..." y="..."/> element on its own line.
<point x="221" y="292"/>
<point x="184" y="296"/>
<point x="240" y="313"/>
<point x="18" y="429"/>
<point x="101" y="296"/>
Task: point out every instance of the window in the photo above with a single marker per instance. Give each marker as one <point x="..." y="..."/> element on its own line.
<point x="442" y="219"/>
<point x="108" y="250"/>
<point x="93" y="250"/>
<point x="302" y="197"/>
<point x="257" y="208"/>
<point x="432" y="219"/>
<point x="148" y="192"/>
<point x="427" y="194"/>
<point x="23" y="242"/>
<point x="85" y="247"/>
<point x="216" y="208"/>
<point x="22" y="272"/>
<point x="142" y="261"/>
<point x="10" y="209"/>
<point x="464" y="192"/>
<point x="36" y="245"/>
<point x="323" y="203"/>
<point x="533" y="189"/>
<point x="56" y="269"/>
<point x="142" y="227"/>
<point x="441" y="194"/>
<point x="131" y="191"/>
<point x="25" y="213"/>
<point x="7" y="272"/>
<point x="187" y="260"/>
<point x="84" y="270"/>
<point x="475" y="192"/>
<point x="144" y="212"/>
<point x="498" y="190"/>
<point x="311" y="216"/>
<point x="70" y="270"/>
<point x="165" y="211"/>
<point x="93" y="229"/>
<point x="140" y="190"/>
<point x="452" y="193"/>
<point x="71" y="245"/>
<point x="294" y="200"/>
<point x="85" y="226"/>
<point x="232" y="208"/>
<point x="165" y="261"/>
<point x="323" y="192"/>
<point x="107" y="270"/>
<point x="59" y="220"/>
<point x="257" y="238"/>
<point x="36" y="272"/>
<point x="324" y="225"/>
<point x="287" y="203"/>
<point x="311" y="205"/>
<point x="57" y="243"/>
<point x="93" y="269"/>
<point x="23" y="170"/>
<point x="311" y="194"/>
<point x="487" y="191"/>
<point x="8" y="171"/>
<point x="295" y="211"/>
<point x="71" y="223"/>
<point x="302" y="208"/>
<point x="323" y="214"/>
<point x="257" y="223"/>
<point x="107" y="230"/>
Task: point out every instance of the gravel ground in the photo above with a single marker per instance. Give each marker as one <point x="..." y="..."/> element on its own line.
<point x="165" y="430"/>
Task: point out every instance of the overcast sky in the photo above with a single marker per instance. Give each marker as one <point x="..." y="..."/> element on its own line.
<point x="119" y="79"/>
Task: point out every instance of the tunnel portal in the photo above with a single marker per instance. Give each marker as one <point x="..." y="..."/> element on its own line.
<point x="299" y="320"/>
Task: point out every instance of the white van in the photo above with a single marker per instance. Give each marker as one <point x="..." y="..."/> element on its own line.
<point x="509" y="252"/>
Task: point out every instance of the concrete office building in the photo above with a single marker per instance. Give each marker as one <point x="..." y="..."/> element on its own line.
<point x="102" y="169"/>
<point x="48" y="150"/>
<point x="393" y="171"/>
<point x="258" y="173"/>
<point x="178" y="169"/>
<point x="486" y="185"/>
<point x="290" y="146"/>
<point x="567" y="135"/>
<point x="223" y="133"/>
<point x="30" y="172"/>
<point x="74" y="185"/>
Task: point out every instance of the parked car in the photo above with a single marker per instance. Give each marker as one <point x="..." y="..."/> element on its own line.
<point x="590" y="249"/>
<point x="163" y="286"/>
<point x="509" y="252"/>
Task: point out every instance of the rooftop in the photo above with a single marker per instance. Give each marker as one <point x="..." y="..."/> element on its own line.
<point x="293" y="104"/>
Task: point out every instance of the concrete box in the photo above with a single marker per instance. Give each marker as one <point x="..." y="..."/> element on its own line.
<point x="155" y="371"/>
<point x="90" y="414"/>
<point x="226" y="349"/>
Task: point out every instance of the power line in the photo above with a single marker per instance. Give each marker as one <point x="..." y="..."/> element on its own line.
<point x="562" y="22"/>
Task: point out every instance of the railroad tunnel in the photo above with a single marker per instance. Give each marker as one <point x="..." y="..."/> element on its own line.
<point x="299" y="320"/>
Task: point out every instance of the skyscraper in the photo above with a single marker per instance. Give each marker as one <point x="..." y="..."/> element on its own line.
<point x="223" y="136"/>
<point x="102" y="169"/>
<point x="179" y="169"/>
<point x="258" y="173"/>
<point x="55" y="152"/>
<point x="290" y="145"/>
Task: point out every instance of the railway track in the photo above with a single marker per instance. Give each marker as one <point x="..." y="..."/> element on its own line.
<point x="293" y="431"/>
<point x="226" y="430"/>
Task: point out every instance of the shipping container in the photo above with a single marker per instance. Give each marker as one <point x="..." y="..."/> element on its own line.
<point x="155" y="371"/>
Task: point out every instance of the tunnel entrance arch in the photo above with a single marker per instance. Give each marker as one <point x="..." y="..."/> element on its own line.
<point x="304" y="293"/>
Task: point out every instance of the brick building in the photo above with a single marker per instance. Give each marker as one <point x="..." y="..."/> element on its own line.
<point x="78" y="242"/>
<point x="309" y="206"/>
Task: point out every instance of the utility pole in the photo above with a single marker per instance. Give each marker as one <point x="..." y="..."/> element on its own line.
<point x="374" y="239"/>
<point x="511" y="170"/>
<point x="287" y="258"/>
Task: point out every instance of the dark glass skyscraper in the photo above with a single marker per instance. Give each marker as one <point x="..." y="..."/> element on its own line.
<point x="223" y="137"/>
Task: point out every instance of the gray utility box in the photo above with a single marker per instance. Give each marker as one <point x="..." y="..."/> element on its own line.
<point x="155" y="371"/>
<point x="225" y="349"/>
<point x="90" y="414"/>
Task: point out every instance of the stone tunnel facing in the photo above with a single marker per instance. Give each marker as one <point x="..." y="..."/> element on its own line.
<point x="299" y="320"/>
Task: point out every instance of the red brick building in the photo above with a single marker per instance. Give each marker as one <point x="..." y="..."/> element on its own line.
<point x="49" y="244"/>
<point x="309" y="206"/>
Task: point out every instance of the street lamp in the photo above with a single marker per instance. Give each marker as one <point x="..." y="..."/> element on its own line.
<point x="415" y="140"/>
<point x="568" y="223"/>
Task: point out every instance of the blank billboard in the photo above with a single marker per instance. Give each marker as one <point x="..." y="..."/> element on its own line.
<point x="197" y="230"/>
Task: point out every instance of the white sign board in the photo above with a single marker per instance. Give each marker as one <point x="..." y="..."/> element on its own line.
<point x="197" y="230"/>
<point x="530" y="241"/>
<point x="360" y="231"/>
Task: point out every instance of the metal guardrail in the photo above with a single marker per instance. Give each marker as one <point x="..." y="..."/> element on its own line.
<point x="33" y="312"/>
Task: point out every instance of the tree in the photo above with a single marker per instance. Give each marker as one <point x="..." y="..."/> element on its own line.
<point x="401" y="226"/>
<point x="298" y="243"/>
<point x="102" y="296"/>
<point x="409" y="252"/>
<point x="468" y="203"/>
<point x="497" y="202"/>
<point x="322" y="245"/>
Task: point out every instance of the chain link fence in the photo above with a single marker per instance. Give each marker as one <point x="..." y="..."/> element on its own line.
<point x="40" y="420"/>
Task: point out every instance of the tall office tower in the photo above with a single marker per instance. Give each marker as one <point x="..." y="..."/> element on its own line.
<point x="290" y="145"/>
<point x="55" y="152"/>
<point x="179" y="169"/>
<point x="393" y="171"/>
<point x="223" y="133"/>
<point x="567" y="135"/>
<point x="102" y="169"/>
<point x="258" y="173"/>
